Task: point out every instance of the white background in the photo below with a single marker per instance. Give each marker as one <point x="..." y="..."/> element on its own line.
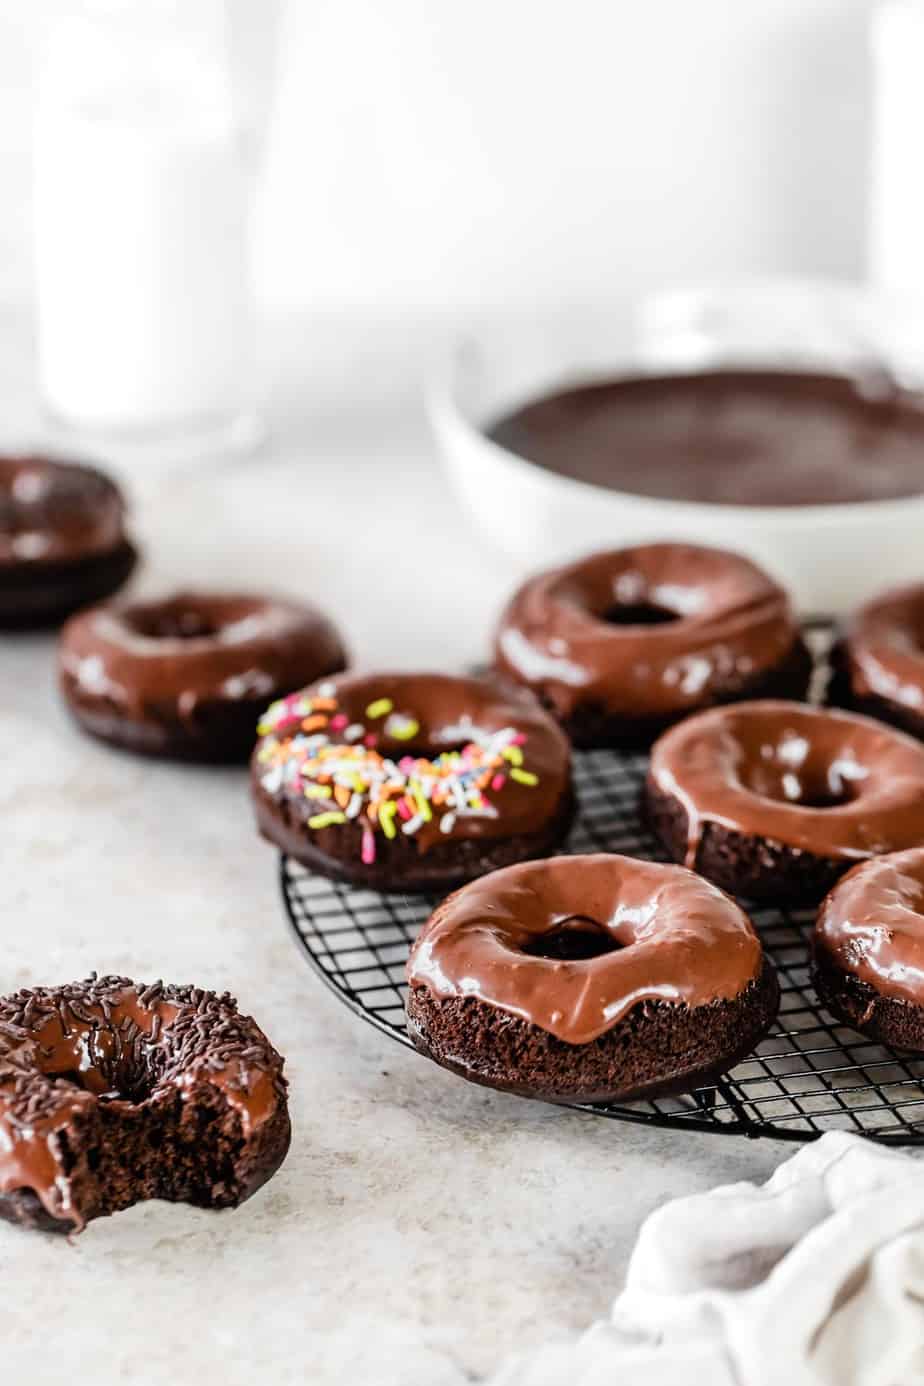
<point x="442" y="155"/>
<point x="427" y="157"/>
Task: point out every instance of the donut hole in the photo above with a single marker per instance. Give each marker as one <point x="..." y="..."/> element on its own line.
<point x="807" y="786"/>
<point x="821" y="797"/>
<point x="100" y="1062"/>
<point x="420" y="745"/>
<point x="118" y="1082"/>
<point x="576" y="939"/>
<point x="399" y="750"/>
<point x="638" y="614"/>
<point x="644" y="593"/>
<point x="172" y="623"/>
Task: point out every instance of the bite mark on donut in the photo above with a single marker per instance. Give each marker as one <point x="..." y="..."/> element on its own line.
<point x="112" y="1093"/>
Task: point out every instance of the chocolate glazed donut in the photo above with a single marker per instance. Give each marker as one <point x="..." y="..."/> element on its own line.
<point x="62" y="540"/>
<point x="868" y="949"/>
<point x="622" y="644"/>
<point x="187" y="677"/>
<point x="878" y="667"/>
<point x="411" y="781"/>
<point x="776" y="800"/>
<point x="113" y="1091"/>
<point x="597" y="978"/>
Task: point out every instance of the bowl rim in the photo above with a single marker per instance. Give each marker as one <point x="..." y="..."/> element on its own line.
<point x="447" y="417"/>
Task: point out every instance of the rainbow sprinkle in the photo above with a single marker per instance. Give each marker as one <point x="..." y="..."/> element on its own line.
<point x="310" y="747"/>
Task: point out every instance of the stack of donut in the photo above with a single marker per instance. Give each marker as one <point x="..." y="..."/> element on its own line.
<point x="62" y="540"/>
<point x="603" y="977"/>
<point x="561" y="977"/>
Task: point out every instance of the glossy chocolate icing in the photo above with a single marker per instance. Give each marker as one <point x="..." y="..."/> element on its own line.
<point x="728" y="622"/>
<point x="64" y="1049"/>
<point x="446" y="713"/>
<point x="885" y="648"/>
<point x="834" y="784"/>
<point x="730" y="437"/>
<point x="872" y="925"/>
<point x="671" y="936"/>
<point x="196" y="648"/>
<point x="56" y="512"/>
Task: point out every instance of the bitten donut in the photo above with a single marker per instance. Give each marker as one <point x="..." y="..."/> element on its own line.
<point x="589" y="979"/>
<point x="411" y="781"/>
<point x="188" y="677"/>
<point x="622" y="644"/>
<point x="878" y="668"/>
<point x="868" y="949"/>
<point x="775" y="800"/>
<point x="112" y="1092"/>
<point x="62" y="540"/>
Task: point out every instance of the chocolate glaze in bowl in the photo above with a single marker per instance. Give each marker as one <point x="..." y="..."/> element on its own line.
<point x="793" y="443"/>
<point x="723" y="437"/>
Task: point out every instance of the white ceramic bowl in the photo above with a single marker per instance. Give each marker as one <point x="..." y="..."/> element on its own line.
<point x="830" y="557"/>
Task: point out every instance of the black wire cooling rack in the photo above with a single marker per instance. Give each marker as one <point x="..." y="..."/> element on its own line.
<point x="808" y="1076"/>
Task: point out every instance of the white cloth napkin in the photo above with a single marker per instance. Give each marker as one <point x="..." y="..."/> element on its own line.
<point x="815" y="1278"/>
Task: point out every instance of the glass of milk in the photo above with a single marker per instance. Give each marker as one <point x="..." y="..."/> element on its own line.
<point x="144" y="321"/>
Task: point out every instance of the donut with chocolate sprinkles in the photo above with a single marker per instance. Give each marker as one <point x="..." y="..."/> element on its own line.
<point x="113" y="1092"/>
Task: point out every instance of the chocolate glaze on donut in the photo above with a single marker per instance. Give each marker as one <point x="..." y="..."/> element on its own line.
<point x="879" y="666"/>
<point x="634" y="639"/>
<point x="411" y="781"/>
<point x="188" y="676"/>
<point x="647" y="975"/>
<point x="828" y="782"/>
<point x="56" y="511"/>
<point x="872" y="925"/>
<point x="112" y="1091"/>
<point x="868" y="949"/>
<point x="62" y="539"/>
<point x="652" y="932"/>
<point x="826" y="787"/>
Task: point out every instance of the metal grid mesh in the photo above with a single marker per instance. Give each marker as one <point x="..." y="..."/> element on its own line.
<point x="809" y="1075"/>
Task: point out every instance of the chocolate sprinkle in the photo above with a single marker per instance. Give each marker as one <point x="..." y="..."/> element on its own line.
<point x="154" y="1052"/>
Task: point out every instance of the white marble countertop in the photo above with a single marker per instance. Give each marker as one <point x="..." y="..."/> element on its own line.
<point x="420" y="1228"/>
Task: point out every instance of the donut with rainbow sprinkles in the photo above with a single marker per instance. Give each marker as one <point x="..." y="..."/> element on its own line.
<point x="411" y="782"/>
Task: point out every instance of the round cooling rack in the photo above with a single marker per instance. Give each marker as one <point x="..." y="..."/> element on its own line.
<point x="809" y="1075"/>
